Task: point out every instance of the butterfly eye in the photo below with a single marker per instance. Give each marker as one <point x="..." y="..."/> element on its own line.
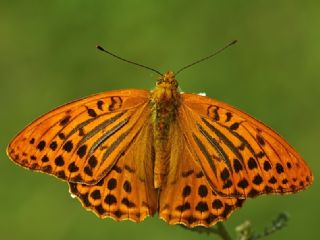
<point x="159" y="82"/>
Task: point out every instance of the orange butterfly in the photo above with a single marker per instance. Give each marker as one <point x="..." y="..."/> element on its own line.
<point x="128" y="154"/>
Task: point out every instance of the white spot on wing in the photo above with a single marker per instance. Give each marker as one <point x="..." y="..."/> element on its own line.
<point x="202" y="94"/>
<point x="72" y="195"/>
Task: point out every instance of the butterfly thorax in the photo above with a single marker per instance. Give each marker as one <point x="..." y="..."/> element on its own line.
<point x="165" y="100"/>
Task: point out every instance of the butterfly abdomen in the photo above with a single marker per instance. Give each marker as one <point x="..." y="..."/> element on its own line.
<point x="165" y="100"/>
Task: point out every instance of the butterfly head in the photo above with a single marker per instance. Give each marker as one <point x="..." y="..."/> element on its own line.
<point x="167" y="80"/>
<point x="166" y="87"/>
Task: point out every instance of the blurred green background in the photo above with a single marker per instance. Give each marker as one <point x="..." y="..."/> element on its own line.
<point x="48" y="58"/>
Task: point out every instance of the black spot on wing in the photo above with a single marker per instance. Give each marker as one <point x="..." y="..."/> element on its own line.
<point x="187" y="173"/>
<point x="252" y="163"/>
<point x="88" y="171"/>
<point x="237" y="165"/>
<point x="227" y="184"/>
<point x="234" y="126"/>
<point x="68" y="146"/>
<point x="186" y="191"/>
<point x="96" y="194"/>
<point x="202" y="206"/>
<point x="212" y="113"/>
<point x="272" y="180"/>
<point x="183" y="207"/>
<point x="243" y="183"/>
<point x="279" y="168"/>
<point x="116" y="103"/>
<point x="217" y="204"/>
<point x="266" y="166"/>
<point x="110" y="199"/>
<point x="260" y="140"/>
<point x="112" y="184"/>
<point x="225" y="174"/>
<point x="65" y="120"/>
<point x="92" y="112"/>
<point x="228" y="116"/>
<point x="72" y="167"/>
<point x="100" y="104"/>
<point x="127" y="187"/>
<point x="45" y="159"/>
<point x="61" y="136"/>
<point x="257" y="179"/>
<point x="82" y="151"/>
<point x="202" y="191"/>
<point x="92" y="161"/>
<point x="59" y="161"/>
<point x="125" y="201"/>
<point x="41" y="145"/>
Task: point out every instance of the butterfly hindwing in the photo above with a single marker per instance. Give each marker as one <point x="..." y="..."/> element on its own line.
<point x="240" y="156"/>
<point x="80" y="141"/>
<point x="126" y="192"/>
<point x="189" y="199"/>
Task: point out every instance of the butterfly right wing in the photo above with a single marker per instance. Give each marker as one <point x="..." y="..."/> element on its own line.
<point x="187" y="197"/>
<point x="81" y="141"/>
<point x="240" y="156"/>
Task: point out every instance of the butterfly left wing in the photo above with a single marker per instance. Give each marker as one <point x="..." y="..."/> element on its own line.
<point x="240" y="156"/>
<point x="127" y="191"/>
<point x="80" y="141"/>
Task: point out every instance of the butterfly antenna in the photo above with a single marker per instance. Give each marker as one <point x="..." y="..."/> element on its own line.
<point x="128" y="61"/>
<point x="205" y="58"/>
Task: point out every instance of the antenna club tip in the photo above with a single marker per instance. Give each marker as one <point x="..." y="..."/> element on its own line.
<point x="233" y="42"/>
<point x="99" y="47"/>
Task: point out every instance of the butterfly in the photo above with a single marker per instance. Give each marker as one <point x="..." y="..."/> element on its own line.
<point x="128" y="154"/>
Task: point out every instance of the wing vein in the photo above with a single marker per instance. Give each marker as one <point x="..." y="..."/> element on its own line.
<point x="107" y="135"/>
<point x="205" y="153"/>
<point x="99" y="128"/>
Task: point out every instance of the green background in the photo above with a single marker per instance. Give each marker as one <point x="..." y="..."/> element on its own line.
<point x="48" y="57"/>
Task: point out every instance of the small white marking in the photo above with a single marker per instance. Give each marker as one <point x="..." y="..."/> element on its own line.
<point x="72" y="195"/>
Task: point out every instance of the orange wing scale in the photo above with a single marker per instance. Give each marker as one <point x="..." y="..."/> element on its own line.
<point x="240" y="156"/>
<point x="190" y="200"/>
<point x="126" y="192"/>
<point x="81" y="141"/>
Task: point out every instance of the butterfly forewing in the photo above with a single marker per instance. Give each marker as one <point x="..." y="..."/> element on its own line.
<point x="81" y="141"/>
<point x="239" y="155"/>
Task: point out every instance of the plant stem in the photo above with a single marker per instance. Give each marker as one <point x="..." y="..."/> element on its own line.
<point x="222" y="231"/>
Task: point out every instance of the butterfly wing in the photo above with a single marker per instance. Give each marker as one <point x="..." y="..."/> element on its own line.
<point x="126" y="192"/>
<point x="240" y="156"/>
<point x="187" y="197"/>
<point x="81" y="141"/>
